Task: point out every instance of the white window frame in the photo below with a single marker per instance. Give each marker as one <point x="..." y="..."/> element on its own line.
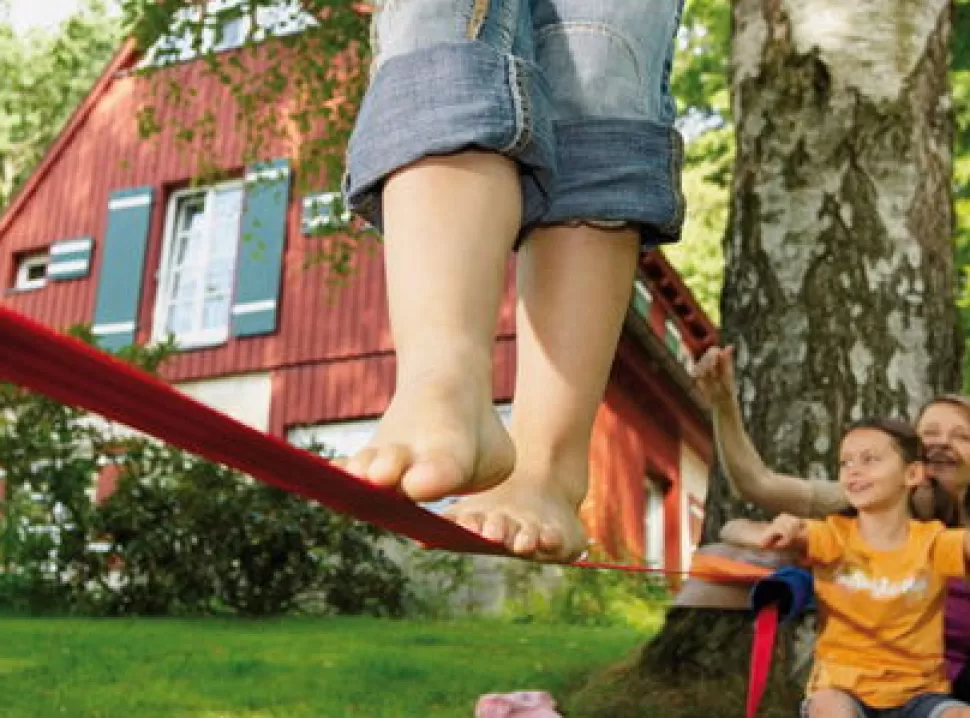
<point x="691" y="510"/>
<point x="162" y="52"/>
<point x="268" y="20"/>
<point x="27" y="262"/>
<point x="655" y="525"/>
<point x="205" y="338"/>
<point x="268" y="24"/>
<point x="226" y="42"/>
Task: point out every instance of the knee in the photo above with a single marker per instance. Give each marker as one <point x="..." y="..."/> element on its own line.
<point x="961" y="712"/>
<point x="829" y="703"/>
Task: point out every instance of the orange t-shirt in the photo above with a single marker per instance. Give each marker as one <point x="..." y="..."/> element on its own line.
<point x="880" y="634"/>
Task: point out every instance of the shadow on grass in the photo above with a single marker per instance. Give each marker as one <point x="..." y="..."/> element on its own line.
<point x="622" y="692"/>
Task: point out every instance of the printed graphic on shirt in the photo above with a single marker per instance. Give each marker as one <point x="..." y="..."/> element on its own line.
<point x="859" y="579"/>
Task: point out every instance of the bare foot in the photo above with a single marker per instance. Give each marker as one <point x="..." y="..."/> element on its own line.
<point x="535" y="512"/>
<point x="437" y="439"/>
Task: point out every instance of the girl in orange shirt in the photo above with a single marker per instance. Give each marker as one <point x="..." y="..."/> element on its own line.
<point x="880" y="578"/>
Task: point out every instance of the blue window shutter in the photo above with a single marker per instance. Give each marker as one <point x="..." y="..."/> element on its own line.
<point x="261" y="242"/>
<point x="122" y="267"/>
<point x="70" y="259"/>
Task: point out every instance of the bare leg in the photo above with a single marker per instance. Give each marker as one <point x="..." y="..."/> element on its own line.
<point x="574" y="289"/>
<point x="831" y="703"/>
<point x="450" y="224"/>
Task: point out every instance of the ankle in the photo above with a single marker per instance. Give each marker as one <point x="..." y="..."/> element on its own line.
<point x="562" y="471"/>
<point x="464" y="369"/>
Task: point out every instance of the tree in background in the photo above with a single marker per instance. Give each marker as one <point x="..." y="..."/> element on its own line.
<point x="45" y="76"/>
<point x="700" y="84"/>
<point x="960" y="80"/>
<point x="839" y="289"/>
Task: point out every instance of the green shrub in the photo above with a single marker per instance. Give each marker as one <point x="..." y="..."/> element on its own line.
<point x="591" y="597"/>
<point x="188" y="536"/>
<point x="180" y="535"/>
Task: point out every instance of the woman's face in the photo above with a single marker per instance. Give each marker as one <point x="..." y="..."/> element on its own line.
<point x="945" y="431"/>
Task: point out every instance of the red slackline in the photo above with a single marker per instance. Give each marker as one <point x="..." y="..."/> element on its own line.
<point x="74" y="373"/>
<point x="71" y="372"/>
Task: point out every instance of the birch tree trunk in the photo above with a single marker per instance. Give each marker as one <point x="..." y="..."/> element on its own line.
<point x="839" y="285"/>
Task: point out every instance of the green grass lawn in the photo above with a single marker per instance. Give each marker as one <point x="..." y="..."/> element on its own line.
<point x="324" y="668"/>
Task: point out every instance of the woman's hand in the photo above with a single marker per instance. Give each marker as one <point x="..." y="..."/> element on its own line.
<point x="714" y="376"/>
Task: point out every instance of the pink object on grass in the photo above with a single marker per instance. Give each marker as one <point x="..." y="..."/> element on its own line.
<point x="521" y="704"/>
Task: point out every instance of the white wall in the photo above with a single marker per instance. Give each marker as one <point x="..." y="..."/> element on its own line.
<point x="693" y="476"/>
<point x="245" y="397"/>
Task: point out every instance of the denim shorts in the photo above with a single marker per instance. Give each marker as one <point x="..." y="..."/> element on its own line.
<point x="928" y="705"/>
<point x="576" y="91"/>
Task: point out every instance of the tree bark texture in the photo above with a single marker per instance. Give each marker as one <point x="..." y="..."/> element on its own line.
<point x="839" y="284"/>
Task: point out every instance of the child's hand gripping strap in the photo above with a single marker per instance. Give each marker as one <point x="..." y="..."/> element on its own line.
<point x="784" y="594"/>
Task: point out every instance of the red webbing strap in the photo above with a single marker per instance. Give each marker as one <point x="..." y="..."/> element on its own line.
<point x="762" y="647"/>
<point x="69" y="371"/>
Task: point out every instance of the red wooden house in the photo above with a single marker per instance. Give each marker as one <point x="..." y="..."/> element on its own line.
<point x="109" y="231"/>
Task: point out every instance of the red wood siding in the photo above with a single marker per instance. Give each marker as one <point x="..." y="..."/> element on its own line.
<point x="332" y="356"/>
<point x="319" y="319"/>
<point x="356" y="388"/>
<point x="638" y="433"/>
<point x="633" y="436"/>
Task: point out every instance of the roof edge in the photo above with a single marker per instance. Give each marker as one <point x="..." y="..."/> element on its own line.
<point x="702" y="331"/>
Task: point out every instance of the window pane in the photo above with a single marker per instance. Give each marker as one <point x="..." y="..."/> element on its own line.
<point x="181" y="249"/>
<point x="179" y="318"/>
<point x="190" y="213"/>
<point x="175" y="290"/>
<point x="224" y="239"/>
<point x="185" y="287"/>
<point x="201" y="274"/>
<point x="218" y="278"/>
<point x="226" y="211"/>
<point x="232" y="33"/>
<point x="227" y="201"/>
<point x="216" y="313"/>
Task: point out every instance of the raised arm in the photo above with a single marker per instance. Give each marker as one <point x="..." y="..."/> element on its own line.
<point x="786" y="532"/>
<point x="746" y="471"/>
